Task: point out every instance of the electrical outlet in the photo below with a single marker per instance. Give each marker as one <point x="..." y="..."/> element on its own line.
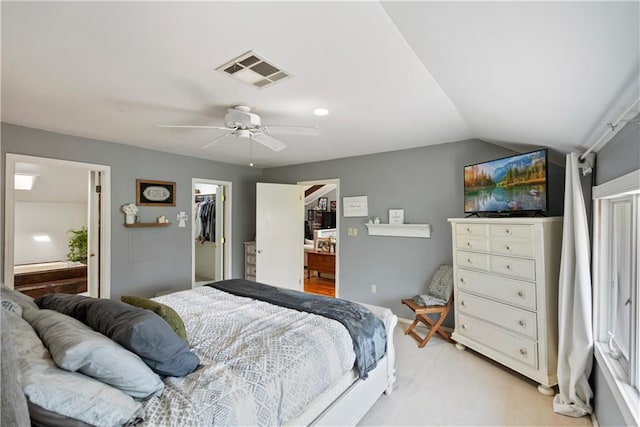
<point x="373" y="289"/>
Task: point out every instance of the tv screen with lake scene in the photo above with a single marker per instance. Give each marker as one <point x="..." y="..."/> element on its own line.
<point x="509" y="185"/>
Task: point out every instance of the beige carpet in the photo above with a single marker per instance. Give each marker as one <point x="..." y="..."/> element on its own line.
<point x="439" y="385"/>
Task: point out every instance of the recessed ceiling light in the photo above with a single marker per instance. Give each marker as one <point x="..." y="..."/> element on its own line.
<point x="320" y="111"/>
<point x="42" y="238"/>
<point x="22" y="181"/>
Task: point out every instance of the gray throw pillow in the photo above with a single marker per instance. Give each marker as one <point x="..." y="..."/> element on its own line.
<point x="13" y="405"/>
<point x="76" y="347"/>
<point x="442" y="284"/>
<point x="25" y="301"/>
<point x="140" y="331"/>
<point x="70" y="394"/>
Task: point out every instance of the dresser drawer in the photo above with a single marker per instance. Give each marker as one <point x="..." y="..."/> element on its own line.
<point x="472" y="260"/>
<point x="250" y="269"/>
<point x="472" y="243"/>
<point x="511" y="247"/>
<point x="513" y="267"/>
<point x="515" y="319"/>
<point x="251" y="277"/>
<point x="251" y="259"/>
<point x="479" y="230"/>
<point x="250" y="249"/>
<point x="512" y="231"/>
<point x="517" y="348"/>
<point x="499" y="288"/>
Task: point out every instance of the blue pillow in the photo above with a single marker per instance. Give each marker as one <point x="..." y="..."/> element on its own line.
<point x="140" y="331"/>
<point x="76" y="347"/>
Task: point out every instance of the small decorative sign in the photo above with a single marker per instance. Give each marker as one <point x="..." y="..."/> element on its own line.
<point x="155" y="193"/>
<point x="396" y="216"/>
<point x="355" y="206"/>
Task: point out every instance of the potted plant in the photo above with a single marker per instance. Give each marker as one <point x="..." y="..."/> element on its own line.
<point x="78" y="245"/>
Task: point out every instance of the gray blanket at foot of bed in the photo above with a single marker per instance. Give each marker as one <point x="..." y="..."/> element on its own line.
<point x="366" y="329"/>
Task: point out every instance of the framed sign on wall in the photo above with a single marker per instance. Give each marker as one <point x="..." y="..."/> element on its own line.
<point x="155" y="193"/>
<point x="355" y="206"/>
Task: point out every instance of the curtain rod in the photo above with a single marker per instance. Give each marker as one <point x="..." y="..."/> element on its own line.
<point x="612" y="127"/>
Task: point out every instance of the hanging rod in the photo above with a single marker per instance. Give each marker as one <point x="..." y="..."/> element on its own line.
<point x="612" y="127"/>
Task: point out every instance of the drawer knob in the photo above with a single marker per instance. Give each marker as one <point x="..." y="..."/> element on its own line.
<point x="522" y="323"/>
<point x="521" y="294"/>
<point x="508" y="247"/>
<point x="523" y="351"/>
<point x="469" y="244"/>
<point x="464" y="326"/>
<point x="508" y="231"/>
<point x="462" y="303"/>
<point x="468" y="230"/>
<point x="469" y="261"/>
<point x="508" y="267"/>
<point x="462" y="280"/>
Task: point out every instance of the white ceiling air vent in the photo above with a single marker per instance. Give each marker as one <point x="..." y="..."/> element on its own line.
<point x="254" y="69"/>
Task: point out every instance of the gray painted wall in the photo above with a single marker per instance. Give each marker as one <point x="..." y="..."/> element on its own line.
<point x="144" y="261"/>
<point x="619" y="157"/>
<point x="427" y="183"/>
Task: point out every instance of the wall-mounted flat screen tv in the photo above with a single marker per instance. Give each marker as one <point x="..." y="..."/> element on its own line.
<point x="514" y="184"/>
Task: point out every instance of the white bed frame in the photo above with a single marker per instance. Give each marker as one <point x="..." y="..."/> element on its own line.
<point x="351" y="405"/>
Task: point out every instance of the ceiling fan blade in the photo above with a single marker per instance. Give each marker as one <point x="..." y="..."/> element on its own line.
<point x="194" y="127"/>
<point x="215" y="141"/>
<point x="294" y="130"/>
<point x="269" y="141"/>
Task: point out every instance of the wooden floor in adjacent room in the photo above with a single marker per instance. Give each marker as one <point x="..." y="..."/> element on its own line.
<point x="320" y="285"/>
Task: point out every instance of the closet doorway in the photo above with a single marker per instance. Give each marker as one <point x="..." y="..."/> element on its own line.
<point x="211" y="231"/>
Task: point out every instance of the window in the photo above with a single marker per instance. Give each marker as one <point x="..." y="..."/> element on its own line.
<point x="620" y="275"/>
<point x="617" y="288"/>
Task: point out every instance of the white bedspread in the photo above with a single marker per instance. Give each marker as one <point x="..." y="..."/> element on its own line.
<point x="262" y="364"/>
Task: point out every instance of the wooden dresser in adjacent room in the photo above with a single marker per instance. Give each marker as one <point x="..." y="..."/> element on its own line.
<point x="321" y="262"/>
<point x="506" y="292"/>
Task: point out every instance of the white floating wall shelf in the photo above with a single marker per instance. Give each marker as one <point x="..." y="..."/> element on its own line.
<point x="400" y="230"/>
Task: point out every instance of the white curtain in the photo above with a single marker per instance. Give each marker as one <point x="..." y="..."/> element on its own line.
<point x="575" y="335"/>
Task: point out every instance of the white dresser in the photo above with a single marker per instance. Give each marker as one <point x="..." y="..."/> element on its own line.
<point x="250" y="260"/>
<point x="506" y="292"/>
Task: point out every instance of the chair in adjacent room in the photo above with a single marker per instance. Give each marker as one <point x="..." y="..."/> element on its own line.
<point x="437" y="300"/>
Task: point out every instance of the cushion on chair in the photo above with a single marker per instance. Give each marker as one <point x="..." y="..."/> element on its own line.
<point x="440" y="288"/>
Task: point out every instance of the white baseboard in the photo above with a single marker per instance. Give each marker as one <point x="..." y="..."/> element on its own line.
<point x="410" y="321"/>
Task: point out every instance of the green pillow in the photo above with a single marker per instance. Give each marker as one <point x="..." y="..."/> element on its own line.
<point x="167" y="313"/>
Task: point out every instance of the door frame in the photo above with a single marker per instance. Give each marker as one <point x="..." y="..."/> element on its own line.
<point x="227" y="223"/>
<point x="335" y="181"/>
<point x="104" y="258"/>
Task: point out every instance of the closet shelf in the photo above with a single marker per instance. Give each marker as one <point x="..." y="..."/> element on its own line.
<point x="400" y="230"/>
<point x="147" y="224"/>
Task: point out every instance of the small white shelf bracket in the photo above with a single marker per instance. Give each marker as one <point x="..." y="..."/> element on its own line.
<point x="400" y="230"/>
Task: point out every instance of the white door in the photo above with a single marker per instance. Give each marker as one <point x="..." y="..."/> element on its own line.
<point x="93" y="243"/>
<point x="279" y="235"/>
<point x="220" y="239"/>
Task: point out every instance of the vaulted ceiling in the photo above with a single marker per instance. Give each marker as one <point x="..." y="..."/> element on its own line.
<point x="394" y="75"/>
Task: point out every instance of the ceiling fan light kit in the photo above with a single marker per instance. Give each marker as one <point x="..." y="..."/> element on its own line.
<point x="242" y="123"/>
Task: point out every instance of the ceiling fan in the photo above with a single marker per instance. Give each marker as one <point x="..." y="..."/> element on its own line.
<point x="242" y="123"/>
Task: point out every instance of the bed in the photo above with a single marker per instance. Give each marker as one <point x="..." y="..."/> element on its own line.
<point x="260" y="363"/>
